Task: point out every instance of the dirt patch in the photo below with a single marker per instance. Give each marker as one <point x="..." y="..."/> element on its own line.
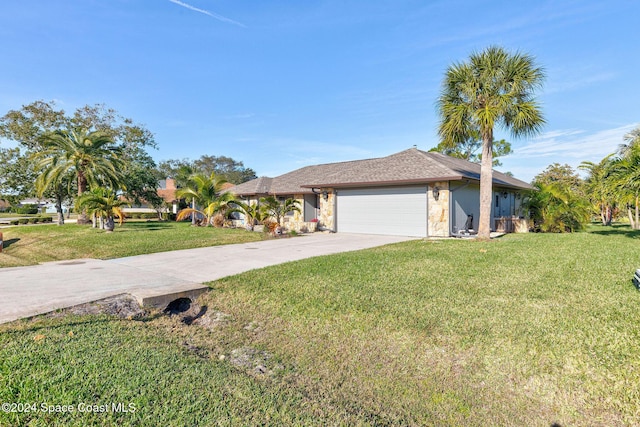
<point x="254" y="361"/>
<point x="212" y="320"/>
<point x="123" y="306"/>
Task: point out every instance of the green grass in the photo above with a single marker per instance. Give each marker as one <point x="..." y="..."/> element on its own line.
<point x="27" y="245"/>
<point x="524" y="330"/>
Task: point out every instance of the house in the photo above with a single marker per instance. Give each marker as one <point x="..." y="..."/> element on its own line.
<point x="167" y="190"/>
<point x="410" y="193"/>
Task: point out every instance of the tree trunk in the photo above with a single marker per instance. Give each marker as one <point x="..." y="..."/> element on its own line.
<point x="82" y="187"/>
<point x="486" y="187"/>
<point x="59" y="211"/>
<point x="109" y="224"/>
<point x="193" y="215"/>
<point x="633" y="225"/>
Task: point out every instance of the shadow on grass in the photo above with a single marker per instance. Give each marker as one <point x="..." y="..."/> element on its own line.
<point x="615" y="230"/>
<point x="9" y="242"/>
<point x="145" y="226"/>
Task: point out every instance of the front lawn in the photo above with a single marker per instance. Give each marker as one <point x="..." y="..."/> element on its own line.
<point x="27" y="245"/>
<point x="524" y="330"/>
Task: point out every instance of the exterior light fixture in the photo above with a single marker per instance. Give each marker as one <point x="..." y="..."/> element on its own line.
<point x="325" y="195"/>
<point x="436" y="193"/>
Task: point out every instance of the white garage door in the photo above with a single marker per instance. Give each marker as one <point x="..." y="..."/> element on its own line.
<point x="398" y="211"/>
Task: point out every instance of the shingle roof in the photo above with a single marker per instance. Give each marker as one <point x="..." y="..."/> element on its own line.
<point x="405" y="167"/>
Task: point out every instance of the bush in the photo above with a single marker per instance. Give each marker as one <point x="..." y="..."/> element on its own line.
<point x="14" y="222"/>
<point x="34" y="220"/>
<point x="26" y="210"/>
<point x="23" y="221"/>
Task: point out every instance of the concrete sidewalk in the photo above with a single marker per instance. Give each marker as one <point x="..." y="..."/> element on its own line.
<point x="28" y="291"/>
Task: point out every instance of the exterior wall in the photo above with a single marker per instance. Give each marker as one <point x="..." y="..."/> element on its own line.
<point x="438" y="210"/>
<point x="296" y="222"/>
<point x="326" y="218"/>
<point x="508" y="212"/>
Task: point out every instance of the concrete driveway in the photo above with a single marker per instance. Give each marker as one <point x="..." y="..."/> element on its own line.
<point x="156" y="278"/>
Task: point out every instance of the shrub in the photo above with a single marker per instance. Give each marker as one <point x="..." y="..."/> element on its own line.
<point x="23" y="221"/>
<point x="26" y="210"/>
<point x="14" y="222"/>
<point x="34" y="220"/>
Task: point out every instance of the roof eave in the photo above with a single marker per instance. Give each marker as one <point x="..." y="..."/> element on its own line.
<point x="383" y="182"/>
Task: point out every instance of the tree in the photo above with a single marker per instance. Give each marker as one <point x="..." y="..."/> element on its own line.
<point x="599" y="187"/>
<point x="103" y="203"/>
<point x="564" y="175"/>
<point x="31" y="126"/>
<point x="278" y="209"/>
<point x="206" y="192"/>
<point x="59" y="190"/>
<point x="252" y="212"/>
<point x="231" y="170"/>
<point x="91" y="156"/>
<point x="556" y="208"/>
<point x="17" y="175"/>
<point x="625" y="178"/>
<point x="494" y="88"/>
<point x="632" y="140"/>
<point x="468" y="150"/>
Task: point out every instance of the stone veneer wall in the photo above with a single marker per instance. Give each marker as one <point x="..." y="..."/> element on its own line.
<point x="438" y="215"/>
<point x="326" y="218"/>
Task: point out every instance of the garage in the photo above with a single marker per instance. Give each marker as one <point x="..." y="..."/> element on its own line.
<point x="400" y="211"/>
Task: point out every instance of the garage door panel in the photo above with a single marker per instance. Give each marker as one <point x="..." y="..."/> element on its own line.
<point x="398" y="211"/>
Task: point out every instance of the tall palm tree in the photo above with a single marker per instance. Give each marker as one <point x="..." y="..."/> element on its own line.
<point x="632" y="139"/>
<point x="207" y="193"/>
<point x="625" y="177"/>
<point x="104" y="203"/>
<point x="91" y="155"/>
<point x="599" y="187"/>
<point x="494" y="88"/>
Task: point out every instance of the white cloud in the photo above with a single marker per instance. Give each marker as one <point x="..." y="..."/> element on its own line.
<point x="575" y="144"/>
<point x="565" y="146"/>
<point x="206" y="12"/>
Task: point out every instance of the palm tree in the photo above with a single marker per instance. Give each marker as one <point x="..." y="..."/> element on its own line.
<point x="600" y="188"/>
<point x="493" y="88"/>
<point x="206" y="192"/>
<point x="277" y="209"/>
<point x="252" y="212"/>
<point x="103" y="203"/>
<point x="92" y="156"/>
<point x="632" y="140"/>
<point x="557" y="208"/>
<point x="625" y="178"/>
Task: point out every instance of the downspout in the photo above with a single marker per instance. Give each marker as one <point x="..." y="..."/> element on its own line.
<point x="335" y="211"/>
<point x="451" y="211"/>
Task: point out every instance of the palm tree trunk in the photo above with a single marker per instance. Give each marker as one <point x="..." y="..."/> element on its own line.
<point x="637" y="213"/>
<point x="486" y="187"/>
<point x="60" y="220"/>
<point x="631" y="222"/>
<point x="193" y="215"/>
<point x="82" y="187"/>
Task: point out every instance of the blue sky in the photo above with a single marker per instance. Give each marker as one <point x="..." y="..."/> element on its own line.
<point x="283" y="84"/>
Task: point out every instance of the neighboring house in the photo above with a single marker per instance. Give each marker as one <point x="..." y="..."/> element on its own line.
<point x="167" y="190"/>
<point x="410" y="193"/>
